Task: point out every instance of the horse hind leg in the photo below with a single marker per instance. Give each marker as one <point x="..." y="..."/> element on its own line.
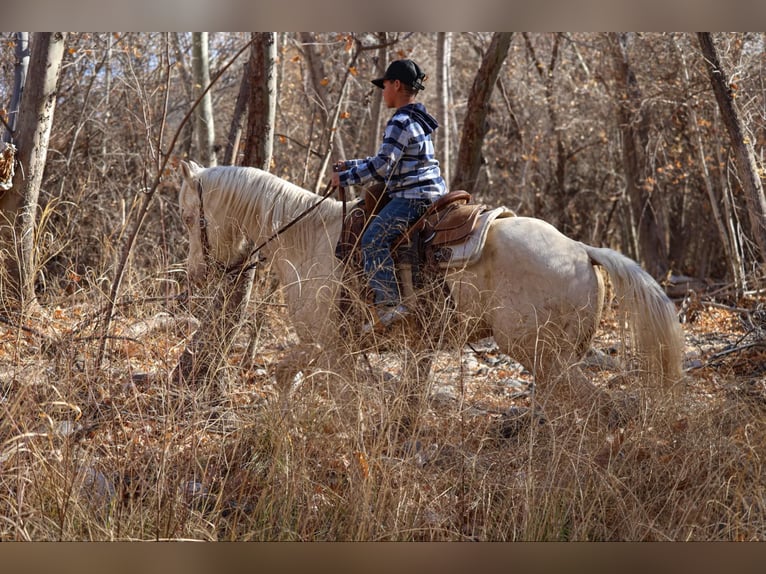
<point x="553" y="357"/>
<point x="563" y="387"/>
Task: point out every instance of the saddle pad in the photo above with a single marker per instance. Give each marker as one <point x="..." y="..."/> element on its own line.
<point x="454" y="224"/>
<point x="469" y="251"/>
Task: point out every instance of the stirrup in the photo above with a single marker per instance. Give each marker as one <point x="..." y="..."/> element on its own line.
<point x="386" y="316"/>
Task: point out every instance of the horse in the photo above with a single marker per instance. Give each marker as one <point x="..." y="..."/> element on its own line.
<point x="538" y="293"/>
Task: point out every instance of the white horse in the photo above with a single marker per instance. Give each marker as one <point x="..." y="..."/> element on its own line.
<point x="537" y="292"/>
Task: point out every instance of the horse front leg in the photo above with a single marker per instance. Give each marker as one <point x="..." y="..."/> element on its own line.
<point x="204" y="359"/>
<point x="287" y="370"/>
<point x="409" y="392"/>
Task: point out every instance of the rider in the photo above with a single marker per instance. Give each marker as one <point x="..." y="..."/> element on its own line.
<point x="405" y="163"/>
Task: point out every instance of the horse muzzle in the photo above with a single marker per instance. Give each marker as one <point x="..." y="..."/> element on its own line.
<point x="196" y="273"/>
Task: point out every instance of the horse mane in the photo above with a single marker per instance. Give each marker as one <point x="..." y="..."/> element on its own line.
<point x="263" y="203"/>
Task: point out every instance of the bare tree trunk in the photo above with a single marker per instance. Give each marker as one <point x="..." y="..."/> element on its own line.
<point x="743" y="149"/>
<point x="107" y="90"/>
<point x="442" y="136"/>
<point x="18" y="205"/>
<point x="644" y="208"/>
<point x="546" y="77"/>
<point x="724" y="224"/>
<point x="555" y="186"/>
<point x="469" y="154"/>
<point x="259" y="142"/>
<point x="19" y="79"/>
<point x="238" y="117"/>
<point x="376" y="105"/>
<point x="187" y="135"/>
<point x="203" y="115"/>
<point x="316" y="72"/>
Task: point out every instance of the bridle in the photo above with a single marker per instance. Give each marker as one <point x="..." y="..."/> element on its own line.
<point x="203" y="225"/>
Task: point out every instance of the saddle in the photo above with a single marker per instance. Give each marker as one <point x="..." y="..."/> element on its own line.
<point x="451" y="233"/>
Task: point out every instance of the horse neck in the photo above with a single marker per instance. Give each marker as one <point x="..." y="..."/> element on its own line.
<point x="286" y="211"/>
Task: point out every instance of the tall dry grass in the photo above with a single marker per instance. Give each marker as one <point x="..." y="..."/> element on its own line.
<point x="122" y="452"/>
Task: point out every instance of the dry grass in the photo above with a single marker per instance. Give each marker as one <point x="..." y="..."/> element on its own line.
<point x="116" y="454"/>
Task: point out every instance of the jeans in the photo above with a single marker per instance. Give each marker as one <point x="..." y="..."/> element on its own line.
<point x="395" y="217"/>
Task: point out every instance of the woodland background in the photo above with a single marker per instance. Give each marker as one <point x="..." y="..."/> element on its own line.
<point x="635" y="141"/>
<point x="575" y="126"/>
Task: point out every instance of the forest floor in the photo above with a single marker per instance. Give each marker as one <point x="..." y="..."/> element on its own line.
<point x="120" y="452"/>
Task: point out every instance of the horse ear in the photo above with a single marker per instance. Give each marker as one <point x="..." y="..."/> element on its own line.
<point x="189" y="170"/>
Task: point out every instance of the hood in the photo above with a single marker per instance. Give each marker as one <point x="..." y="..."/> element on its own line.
<point x="418" y="113"/>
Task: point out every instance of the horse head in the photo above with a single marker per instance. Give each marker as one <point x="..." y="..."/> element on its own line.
<point x="211" y="213"/>
<point x="189" y="201"/>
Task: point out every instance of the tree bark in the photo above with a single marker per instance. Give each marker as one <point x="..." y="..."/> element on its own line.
<point x="259" y="143"/>
<point x="204" y="359"/>
<point x="19" y="79"/>
<point x="644" y="206"/>
<point x="238" y="117"/>
<point x="316" y="71"/>
<point x="546" y="74"/>
<point x="18" y="205"/>
<point x="555" y="187"/>
<point x="469" y="154"/>
<point x="376" y="105"/>
<point x="203" y="115"/>
<point x="724" y="223"/>
<point x="187" y="136"/>
<point x="442" y="136"/>
<point x="743" y="149"/>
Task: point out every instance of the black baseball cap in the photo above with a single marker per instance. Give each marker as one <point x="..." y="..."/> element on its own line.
<point x="406" y="71"/>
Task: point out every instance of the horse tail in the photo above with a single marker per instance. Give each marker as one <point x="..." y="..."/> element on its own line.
<point x="650" y="314"/>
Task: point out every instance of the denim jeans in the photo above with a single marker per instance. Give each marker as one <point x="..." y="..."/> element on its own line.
<point x="395" y="217"/>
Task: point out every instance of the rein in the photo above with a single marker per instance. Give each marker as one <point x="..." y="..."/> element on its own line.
<point x="242" y="267"/>
<point x="203" y="225"/>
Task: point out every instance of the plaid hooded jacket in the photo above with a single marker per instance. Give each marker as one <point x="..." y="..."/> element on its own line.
<point x="405" y="160"/>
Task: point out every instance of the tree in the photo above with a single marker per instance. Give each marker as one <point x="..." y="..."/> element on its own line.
<point x="203" y="115"/>
<point x="330" y="112"/>
<point x="469" y="153"/>
<point x="262" y="107"/>
<point x="643" y="203"/>
<point x="238" y="118"/>
<point x="742" y="146"/>
<point x="722" y="215"/>
<point x="20" y="77"/>
<point x="18" y="205"/>
<point x="317" y="76"/>
<point x="228" y="293"/>
<point x="443" y="91"/>
<point x="556" y="186"/>
<point x="376" y="105"/>
<point x="187" y="82"/>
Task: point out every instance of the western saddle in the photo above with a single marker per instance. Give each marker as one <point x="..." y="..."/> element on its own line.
<point x="448" y="221"/>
